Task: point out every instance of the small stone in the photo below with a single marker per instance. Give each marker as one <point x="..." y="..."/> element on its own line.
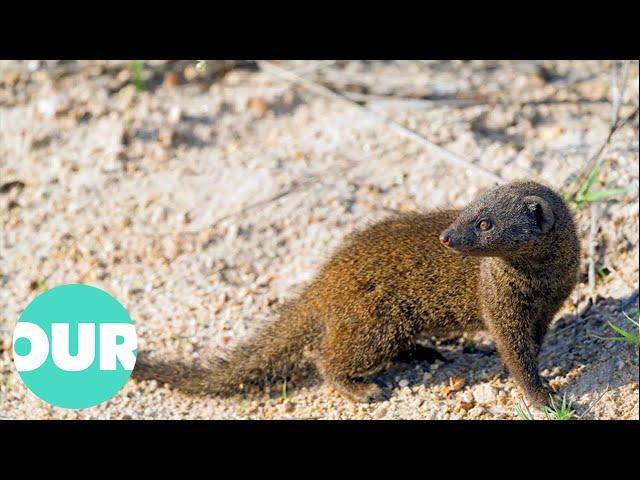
<point x="476" y="411"/>
<point x="172" y="249"/>
<point x="54" y="104"/>
<point x="159" y="214"/>
<point x="171" y="79"/>
<point x="403" y="383"/>
<point x="10" y="79"/>
<point x="380" y="412"/>
<point x="258" y="106"/>
<point x="455" y="384"/>
<point x="5" y="345"/>
<point x="288" y="406"/>
<point x="557" y="383"/>
<point x="484" y="394"/>
<point x="167" y="137"/>
<point x="467" y="402"/>
<point x="124" y="224"/>
<point x="175" y="114"/>
<point x="123" y="76"/>
<point x="190" y="72"/>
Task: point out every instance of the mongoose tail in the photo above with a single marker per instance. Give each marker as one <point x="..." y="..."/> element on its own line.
<point x="276" y="350"/>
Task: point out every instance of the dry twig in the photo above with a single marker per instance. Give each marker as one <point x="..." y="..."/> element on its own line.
<point x="396" y="127"/>
<point x="593" y="404"/>
<point x="574" y="181"/>
<point x="593" y="244"/>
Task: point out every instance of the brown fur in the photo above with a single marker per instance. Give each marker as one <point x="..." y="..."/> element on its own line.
<point x="394" y="281"/>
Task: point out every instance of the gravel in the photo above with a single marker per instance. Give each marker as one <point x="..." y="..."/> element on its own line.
<point x="171" y="200"/>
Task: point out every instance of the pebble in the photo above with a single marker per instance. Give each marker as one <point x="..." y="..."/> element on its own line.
<point x="5" y="343"/>
<point x="190" y="73"/>
<point x="467" y="402"/>
<point x="476" y="411"/>
<point x="175" y="114"/>
<point x="258" y="106"/>
<point x="10" y="79"/>
<point x="288" y="406"/>
<point x="456" y="384"/>
<point x="171" y="79"/>
<point x="484" y="394"/>
<point x="160" y="214"/>
<point x="380" y="412"/>
<point x="54" y="104"/>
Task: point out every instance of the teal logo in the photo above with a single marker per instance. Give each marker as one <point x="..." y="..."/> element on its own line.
<point x="74" y="346"/>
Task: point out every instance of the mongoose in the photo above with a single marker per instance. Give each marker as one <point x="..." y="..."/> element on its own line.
<point x="505" y="264"/>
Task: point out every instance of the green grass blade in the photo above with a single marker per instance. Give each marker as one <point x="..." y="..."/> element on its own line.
<point x="521" y="413"/>
<point x="630" y="337"/>
<point x="586" y="187"/>
<point x="603" y="194"/>
<point x="136" y="71"/>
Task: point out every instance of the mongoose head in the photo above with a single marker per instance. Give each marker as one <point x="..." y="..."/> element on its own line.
<point x="507" y="220"/>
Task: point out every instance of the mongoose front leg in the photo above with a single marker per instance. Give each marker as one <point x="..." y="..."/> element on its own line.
<point x="517" y="347"/>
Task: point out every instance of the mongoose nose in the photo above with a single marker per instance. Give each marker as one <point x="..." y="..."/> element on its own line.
<point x="444" y="239"/>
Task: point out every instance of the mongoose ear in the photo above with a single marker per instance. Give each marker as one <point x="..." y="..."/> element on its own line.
<point x="541" y="211"/>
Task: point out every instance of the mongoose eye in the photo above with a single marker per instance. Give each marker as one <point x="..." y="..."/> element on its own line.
<point x="484" y="224"/>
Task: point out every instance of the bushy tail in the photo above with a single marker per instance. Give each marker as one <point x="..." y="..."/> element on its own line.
<point x="273" y="352"/>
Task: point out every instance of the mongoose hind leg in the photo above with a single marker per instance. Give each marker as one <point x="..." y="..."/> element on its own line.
<point x="356" y="390"/>
<point x="357" y="387"/>
<point x="349" y="372"/>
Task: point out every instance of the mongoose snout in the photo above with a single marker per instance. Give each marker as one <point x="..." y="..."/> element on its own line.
<point x="444" y="239"/>
<point x="511" y="261"/>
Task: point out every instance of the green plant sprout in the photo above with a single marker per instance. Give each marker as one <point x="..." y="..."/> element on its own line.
<point x="136" y="72"/>
<point x="602" y="273"/>
<point x="42" y="285"/>
<point x="201" y="66"/>
<point x="553" y="412"/>
<point x="625" y="336"/>
<point x="560" y="412"/>
<point x="586" y="195"/>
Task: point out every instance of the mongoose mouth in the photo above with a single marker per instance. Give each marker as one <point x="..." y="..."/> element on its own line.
<point x="459" y="250"/>
<point x="447" y="242"/>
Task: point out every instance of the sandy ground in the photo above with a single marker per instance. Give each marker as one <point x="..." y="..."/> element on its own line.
<point x="169" y="199"/>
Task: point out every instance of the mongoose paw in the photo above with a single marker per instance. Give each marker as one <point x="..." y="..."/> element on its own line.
<point x="359" y="392"/>
<point x="542" y="397"/>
